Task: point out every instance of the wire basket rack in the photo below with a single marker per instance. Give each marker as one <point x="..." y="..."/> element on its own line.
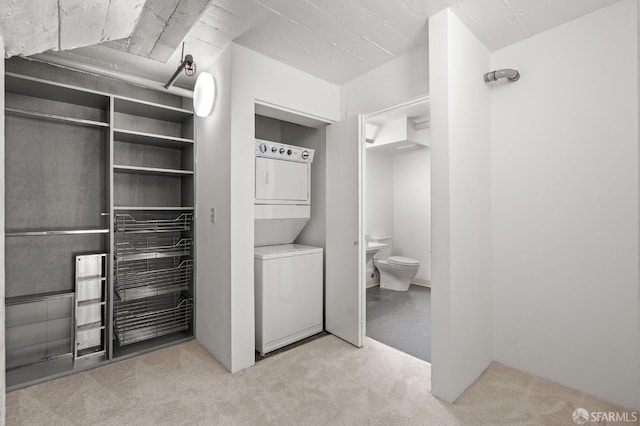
<point x="144" y="319"/>
<point x="143" y="247"/>
<point x="139" y="223"/>
<point x="145" y="278"/>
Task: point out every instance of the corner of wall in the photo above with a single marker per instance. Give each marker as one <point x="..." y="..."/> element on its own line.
<point x="461" y="184"/>
<point x="213" y="273"/>
<point x="2" y="308"/>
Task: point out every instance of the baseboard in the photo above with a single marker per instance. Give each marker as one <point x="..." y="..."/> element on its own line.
<point x="417" y="281"/>
<point x="373" y="283"/>
<point x="421" y="282"/>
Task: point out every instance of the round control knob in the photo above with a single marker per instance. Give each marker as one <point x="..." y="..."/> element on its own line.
<point x="289" y="152"/>
<point x="274" y="149"/>
<point x="262" y="147"/>
<point x="305" y="155"/>
<point x="281" y="150"/>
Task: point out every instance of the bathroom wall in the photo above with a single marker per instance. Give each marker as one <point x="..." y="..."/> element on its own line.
<point x="412" y="210"/>
<point x="379" y="193"/>
<point x="378" y="199"/>
<point x="398" y="204"/>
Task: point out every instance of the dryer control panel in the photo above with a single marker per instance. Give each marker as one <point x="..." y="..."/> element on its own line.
<point x="283" y="152"/>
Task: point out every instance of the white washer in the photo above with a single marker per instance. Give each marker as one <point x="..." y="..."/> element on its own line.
<point x="288" y="294"/>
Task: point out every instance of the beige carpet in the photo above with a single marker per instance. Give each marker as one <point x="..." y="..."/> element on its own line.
<point x="324" y="382"/>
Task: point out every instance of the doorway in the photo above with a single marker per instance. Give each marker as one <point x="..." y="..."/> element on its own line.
<point x="397" y="226"/>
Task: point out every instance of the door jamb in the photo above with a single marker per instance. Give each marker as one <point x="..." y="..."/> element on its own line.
<point x="362" y="164"/>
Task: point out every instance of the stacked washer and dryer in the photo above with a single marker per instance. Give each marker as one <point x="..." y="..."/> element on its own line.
<point x="288" y="277"/>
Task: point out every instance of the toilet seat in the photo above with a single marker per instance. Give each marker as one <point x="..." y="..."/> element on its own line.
<point x="403" y="261"/>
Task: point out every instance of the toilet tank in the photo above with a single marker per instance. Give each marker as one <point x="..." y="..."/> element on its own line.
<point x="385" y="252"/>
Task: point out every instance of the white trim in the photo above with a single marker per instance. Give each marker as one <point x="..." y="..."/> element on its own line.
<point x="311" y="120"/>
<point x="411" y="102"/>
<point x="421" y="282"/>
<point x="373" y="283"/>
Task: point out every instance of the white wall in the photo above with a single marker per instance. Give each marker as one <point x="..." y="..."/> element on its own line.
<point x="257" y="77"/>
<point x="395" y="82"/>
<point x="379" y="193"/>
<point x="565" y="205"/>
<point x="462" y="332"/>
<point x="2" y="307"/>
<point x="412" y="209"/>
<point x="213" y="260"/>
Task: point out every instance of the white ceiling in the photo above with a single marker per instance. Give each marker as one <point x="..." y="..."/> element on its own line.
<point x="336" y="40"/>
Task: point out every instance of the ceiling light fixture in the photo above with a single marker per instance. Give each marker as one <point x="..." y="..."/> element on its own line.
<point x="204" y="95"/>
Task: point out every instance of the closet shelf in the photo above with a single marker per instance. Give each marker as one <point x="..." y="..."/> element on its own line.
<point x="154" y="208"/>
<point x="142" y="223"/>
<point x="151" y="171"/>
<point x="55" y="232"/>
<point x="30" y="298"/>
<point x="151" y="110"/>
<point x="93" y="326"/>
<point x="141" y="138"/>
<point x="91" y="302"/>
<point x="153" y="317"/>
<point x="43" y="89"/>
<point x="146" y="248"/>
<point x="55" y="117"/>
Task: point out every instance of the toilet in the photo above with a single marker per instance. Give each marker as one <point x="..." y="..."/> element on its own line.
<point x="396" y="272"/>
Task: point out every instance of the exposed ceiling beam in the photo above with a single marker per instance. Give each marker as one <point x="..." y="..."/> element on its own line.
<point x="162" y="26"/>
<point x="31" y="27"/>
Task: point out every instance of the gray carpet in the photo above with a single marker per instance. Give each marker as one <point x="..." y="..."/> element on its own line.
<point x="325" y="382"/>
<point x="401" y="319"/>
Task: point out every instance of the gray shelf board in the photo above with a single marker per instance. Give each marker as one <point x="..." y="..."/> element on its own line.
<point x="30" y="298"/>
<point x="44" y="233"/>
<point x="91" y="302"/>
<point x="38" y="88"/>
<point x="91" y="278"/>
<point x="54" y="117"/>
<point x="141" y="138"/>
<point x="151" y="171"/>
<point x="151" y="110"/>
<point x="92" y="326"/>
<point x="152" y="209"/>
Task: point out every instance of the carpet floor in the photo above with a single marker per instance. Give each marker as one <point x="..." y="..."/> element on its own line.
<point x="324" y="382"/>
<point x="401" y="319"/>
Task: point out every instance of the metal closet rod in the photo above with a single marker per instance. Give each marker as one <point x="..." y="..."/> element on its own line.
<point x="58" y="232"/>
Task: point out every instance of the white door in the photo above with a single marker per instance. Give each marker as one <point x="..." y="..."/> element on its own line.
<point x="344" y="288"/>
<point x="281" y="181"/>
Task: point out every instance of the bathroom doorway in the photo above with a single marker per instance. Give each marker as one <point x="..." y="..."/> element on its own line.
<point x="397" y="222"/>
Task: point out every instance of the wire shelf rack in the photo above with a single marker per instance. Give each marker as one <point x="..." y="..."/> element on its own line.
<point x="140" y="247"/>
<point x="139" y="223"/>
<point x="145" y="278"/>
<point x="152" y="317"/>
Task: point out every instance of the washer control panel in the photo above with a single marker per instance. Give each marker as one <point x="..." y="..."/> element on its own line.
<point x="283" y="152"/>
